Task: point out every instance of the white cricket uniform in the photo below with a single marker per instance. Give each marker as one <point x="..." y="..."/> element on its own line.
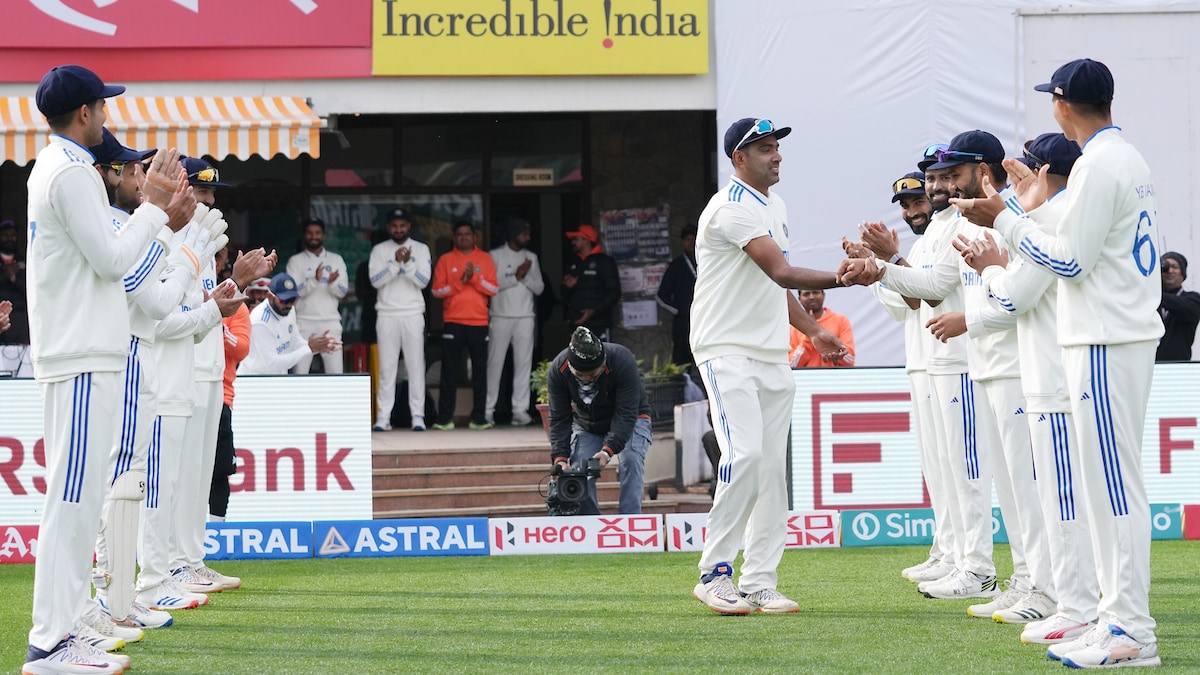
<point x="1103" y="252"/>
<point x="400" y="324"/>
<point x="79" y="335"/>
<point x="740" y="338"/>
<point x="992" y="360"/>
<point x="1031" y="293"/>
<point x="275" y="342"/>
<point x="512" y="320"/>
<point x="918" y="342"/>
<point x="954" y="395"/>
<point x="317" y="309"/>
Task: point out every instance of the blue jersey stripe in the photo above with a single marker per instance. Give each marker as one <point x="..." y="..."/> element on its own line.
<point x="1063" y="268"/>
<point x="725" y="469"/>
<point x="133" y="281"/>
<point x="747" y="190"/>
<point x="1106" y="431"/>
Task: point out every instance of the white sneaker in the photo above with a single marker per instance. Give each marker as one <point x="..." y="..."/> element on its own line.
<point x="169" y="596"/>
<point x="771" y="601"/>
<point x="935" y="572"/>
<point x="907" y="572"/>
<point x="69" y="657"/>
<point x="222" y="580"/>
<point x="193" y="583"/>
<point x="521" y="419"/>
<point x="119" y="659"/>
<point x="140" y="616"/>
<point x="1033" y="606"/>
<point x="86" y="635"/>
<point x="1118" y="651"/>
<point x="1014" y="589"/>
<point x="949" y="570"/>
<point x="99" y="620"/>
<point x="1095" y="635"/>
<point x="719" y="593"/>
<point x="1058" y="628"/>
<point x="963" y="585"/>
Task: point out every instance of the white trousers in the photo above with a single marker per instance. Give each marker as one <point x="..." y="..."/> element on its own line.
<point x="80" y="415"/>
<point x="502" y="332"/>
<point x="196" y="467"/>
<point x="163" y="476"/>
<point x="965" y="469"/>
<point x="1060" y="478"/>
<point x="1109" y="387"/>
<point x="936" y="485"/>
<point x="331" y="362"/>
<point x="751" y="404"/>
<point x="396" y="335"/>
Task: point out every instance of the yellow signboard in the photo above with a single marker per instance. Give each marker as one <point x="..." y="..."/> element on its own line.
<point x="540" y="37"/>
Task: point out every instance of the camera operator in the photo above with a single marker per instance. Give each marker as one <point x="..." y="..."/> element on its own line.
<point x="598" y="409"/>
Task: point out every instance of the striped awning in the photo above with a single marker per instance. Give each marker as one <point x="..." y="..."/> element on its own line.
<point x="217" y="126"/>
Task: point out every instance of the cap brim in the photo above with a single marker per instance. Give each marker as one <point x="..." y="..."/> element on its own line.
<point x="1047" y="87"/>
<point x="779" y="134"/>
<point x="211" y="185"/>
<point x="148" y="154"/>
<point x="924" y="164"/>
<point x="287" y="296"/>
<point x="943" y="165"/>
<point x="110" y="90"/>
<point x="896" y="197"/>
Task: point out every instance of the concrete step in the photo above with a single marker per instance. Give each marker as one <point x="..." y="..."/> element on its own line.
<point x="459" y="476"/>
<point x="459" y="457"/>
<point x="530" y="503"/>
<point x="474" y="496"/>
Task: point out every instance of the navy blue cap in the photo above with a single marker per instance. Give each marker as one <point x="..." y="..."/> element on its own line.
<point x="110" y="150"/>
<point x="283" y="286"/>
<point x="65" y="88"/>
<point x="1056" y="150"/>
<point x="202" y="174"/>
<point x="399" y="214"/>
<point x="1081" y="81"/>
<point x="929" y="158"/>
<point x="908" y="184"/>
<point x="985" y="146"/>
<point x="748" y="130"/>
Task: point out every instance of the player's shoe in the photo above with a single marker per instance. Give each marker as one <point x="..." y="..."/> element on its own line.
<point x="716" y="590"/>
<point x="225" y="581"/>
<point x="1117" y="651"/>
<point x="194" y="583"/>
<point x="922" y="585"/>
<point x="68" y="657"/>
<point x="86" y="635"/>
<point x="99" y="621"/>
<point x="963" y="585"/>
<point x="1056" y="629"/>
<point x="170" y="596"/>
<point x="907" y="572"/>
<point x="937" y="571"/>
<point x="418" y="423"/>
<point x="521" y="419"/>
<point x="1095" y="635"/>
<point x="1033" y="606"/>
<point x="139" y="616"/>
<point x="1014" y="590"/>
<point x="381" y="427"/>
<point x="771" y="601"/>
<point x="448" y="426"/>
<point x="480" y="426"/>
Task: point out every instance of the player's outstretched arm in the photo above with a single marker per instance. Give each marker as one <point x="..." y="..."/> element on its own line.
<point x="766" y="254"/>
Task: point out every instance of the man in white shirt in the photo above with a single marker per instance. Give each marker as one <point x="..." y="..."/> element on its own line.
<point x="275" y="343"/>
<point x="321" y="278"/>
<point x="79" y="331"/>
<point x="400" y="268"/>
<point x="512" y="318"/>
<point x="1103" y="252"/>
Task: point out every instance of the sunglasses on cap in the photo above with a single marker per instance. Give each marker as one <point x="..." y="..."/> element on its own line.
<point x="209" y="175"/>
<point x="932" y="151"/>
<point x="907" y="183"/>
<point x="760" y="127"/>
<point x="948" y="155"/>
<point x="1037" y="161"/>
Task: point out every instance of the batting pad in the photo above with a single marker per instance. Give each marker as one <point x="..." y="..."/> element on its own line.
<point x="120" y="531"/>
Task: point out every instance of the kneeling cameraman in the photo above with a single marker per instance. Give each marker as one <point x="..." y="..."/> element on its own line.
<point x="598" y="408"/>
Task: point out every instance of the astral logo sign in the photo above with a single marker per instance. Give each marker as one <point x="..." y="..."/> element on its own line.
<point x="540" y="37"/>
<point x="388" y="538"/>
<point x="232" y="541"/>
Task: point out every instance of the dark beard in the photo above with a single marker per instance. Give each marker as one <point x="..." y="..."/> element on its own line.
<point x="400" y="240"/>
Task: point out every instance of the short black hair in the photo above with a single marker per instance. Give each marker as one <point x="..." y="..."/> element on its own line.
<point x="687" y="229"/>
<point x="463" y="223"/>
<point x="313" y="221"/>
<point x="1091" y="109"/>
<point x="999" y="175"/>
<point x="61" y="121"/>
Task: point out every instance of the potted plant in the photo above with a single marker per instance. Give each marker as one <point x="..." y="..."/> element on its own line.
<point x="538" y="383"/>
<point x="665" y="382"/>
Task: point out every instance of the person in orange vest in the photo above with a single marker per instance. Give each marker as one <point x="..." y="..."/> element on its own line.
<point x="464" y="279"/>
<point x="802" y="354"/>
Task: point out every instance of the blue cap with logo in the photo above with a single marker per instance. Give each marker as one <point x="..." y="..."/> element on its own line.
<point x="748" y="130"/>
<point x="1054" y="149"/>
<point x="65" y="88"/>
<point x="969" y="146"/>
<point x="202" y="174"/>
<point x="110" y="150"/>
<point x="283" y="286"/>
<point x="1081" y="81"/>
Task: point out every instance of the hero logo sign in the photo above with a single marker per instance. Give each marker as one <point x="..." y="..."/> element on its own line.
<point x="865" y="453"/>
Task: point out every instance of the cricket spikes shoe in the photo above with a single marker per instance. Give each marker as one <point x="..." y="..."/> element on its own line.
<point x="716" y="590"/>
<point x="99" y="620"/>
<point x="964" y="585"/>
<point x="86" y="635"/>
<point x="771" y="601"/>
<point x="1096" y="635"/>
<point x="169" y="596"/>
<point x="1118" y="651"/>
<point x="1014" y="590"/>
<point x="1056" y="629"/>
<point x="139" y="616"/>
<point x="119" y="659"/>
<point x="907" y="572"/>
<point x="1033" y="606"/>
<point x="225" y="581"/>
<point x="192" y="582"/>
<point x="68" y="657"/>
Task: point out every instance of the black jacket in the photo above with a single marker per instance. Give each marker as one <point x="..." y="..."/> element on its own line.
<point x="620" y="400"/>
<point x="597" y="287"/>
<point x="1182" y="310"/>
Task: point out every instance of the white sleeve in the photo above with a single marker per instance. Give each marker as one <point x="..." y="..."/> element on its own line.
<point x="734" y="225"/>
<point x="934" y="283"/>
<point x="263" y="356"/>
<point x="1019" y="287"/>
<point x="180" y="324"/>
<point x="988" y="319"/>
<point x="295" y="268"/>
<point x="339" y="287"/>
<point x="893" y="303"/>
<point x="162" y="295"/>
<point x="533" y="278"/>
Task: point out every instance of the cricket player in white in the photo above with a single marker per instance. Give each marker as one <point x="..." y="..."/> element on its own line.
<point x="79" y="327"/>
<point x="1030" y="292"/>
<point x="511" y="320"/>
<point x="275" y="342"/>
<point x="739" y="335"/>
<point x="1103" y="252"/>
<point x="320" y="276"/>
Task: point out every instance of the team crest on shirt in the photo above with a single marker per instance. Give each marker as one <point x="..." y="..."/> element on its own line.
<point x="785" y="231"/>
<point x="290" y="328"/>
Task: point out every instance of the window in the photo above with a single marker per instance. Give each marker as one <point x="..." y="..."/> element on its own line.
<point x="442" y="154"/>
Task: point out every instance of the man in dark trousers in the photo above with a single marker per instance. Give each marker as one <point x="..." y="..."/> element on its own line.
<point x="675" y="295"/>
<point x="599" y="409"/>
<point x="1179" y="309"/>
<point x="591" y="286"/>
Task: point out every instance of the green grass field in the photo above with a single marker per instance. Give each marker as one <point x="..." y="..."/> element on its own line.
<point x="623" y="613"/>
